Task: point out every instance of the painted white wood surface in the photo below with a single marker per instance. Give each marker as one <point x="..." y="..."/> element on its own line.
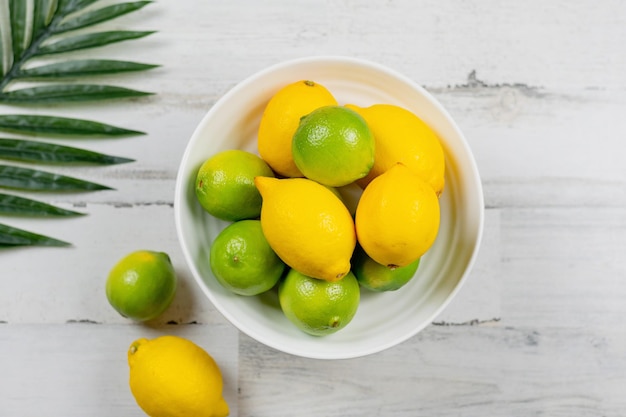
<point x="539" y="89"/>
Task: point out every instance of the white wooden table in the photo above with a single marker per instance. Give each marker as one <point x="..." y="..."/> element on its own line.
<point x="539" y="89"/>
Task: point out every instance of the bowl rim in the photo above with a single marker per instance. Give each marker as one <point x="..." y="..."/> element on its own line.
<point x="180" y="187"/>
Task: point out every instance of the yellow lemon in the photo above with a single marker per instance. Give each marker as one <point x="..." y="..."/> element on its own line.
<point x="397" y="217"/>
<point x="401" y="136"/>
<point x="281" y="118"/>
<point x="173" y="377"/>
<point x="308" y="227"/>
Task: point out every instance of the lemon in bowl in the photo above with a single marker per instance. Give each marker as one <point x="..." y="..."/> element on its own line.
<point x="383" y="319"/>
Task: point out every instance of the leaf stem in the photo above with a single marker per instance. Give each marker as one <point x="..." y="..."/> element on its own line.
<point x="31" y="51"/>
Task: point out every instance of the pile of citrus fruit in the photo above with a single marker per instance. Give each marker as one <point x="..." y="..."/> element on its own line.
<point x="291" y="227"/>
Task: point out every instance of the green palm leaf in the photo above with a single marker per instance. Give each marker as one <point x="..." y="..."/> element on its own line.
<point x="65" y="93"/>
<point x="12" y="236"/>
<point x="60" y="126"/>
<point x="42" y="15"/>
<point x="35" y="151"/>
<point x="67" y="6"/>
<point x="43" y="27"/>
<point x="99" y="15"/>
<point x="35" y="180"/>
<point x="90" y="40"/>
<point x="12" y="204"/>
<point x="81" y="68"/>
<point x="17" y="9"/>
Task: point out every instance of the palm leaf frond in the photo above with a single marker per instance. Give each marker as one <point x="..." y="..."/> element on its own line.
<point x="61" y="126"/>
<point x="89" y="40"/>
<point x="36" y="180"/>
<point x="99" y="15"/>
<point x="42" y="15"/>
<point x="40" y="28"/>
<point x="51" y="153"/>
<point x="69" y="6"/>
<point x="12" y="204"/>
<point x="12" y="236"/>
<point x="19" y="37"/>
<point x="82" y="68"/>
<point x="65" y="93"/>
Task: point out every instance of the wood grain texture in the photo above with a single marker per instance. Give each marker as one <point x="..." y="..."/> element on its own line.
<point x="537" y="88"/>
<point x="80" y="369"/>
<point x="447" y="371"/>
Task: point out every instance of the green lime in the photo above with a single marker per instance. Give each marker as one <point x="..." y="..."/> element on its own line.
<point x="243" y="261"/>
<point x="316" y="306"/>
<point x="142" y="285"/>
<point x="378" y="277"/>
<point x="334" y="146"/>
<point x="225" y="184"/>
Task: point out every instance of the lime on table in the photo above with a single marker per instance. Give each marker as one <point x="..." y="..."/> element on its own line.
<point x="334" y="146"/>
<point x="243" y="261"/>
<point x="225" y="184"/>
<point x="316" y="306"/>
<point x="142" y="285"/>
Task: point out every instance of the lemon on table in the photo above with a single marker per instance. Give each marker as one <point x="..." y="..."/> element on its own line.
<point x="280" y="120"/>
<point x="333" y="146"/>
<point x="225" y="184"/>
<point x="377" y="277"/>
<point x="308" y="226"/>
<point x="401" y="136"/>
<point x="173" y="377"/>
<point x="243" y="261"/>
<point x="397" y="217"/>
<point x="319" y="307"/>
<point x="142" y="285"/>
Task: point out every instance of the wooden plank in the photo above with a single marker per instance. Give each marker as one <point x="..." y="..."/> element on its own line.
<point x="69" y="284"/>
<point x="562" y="266"/>
<point x="536" y="43"/>
<point x="76" y="370"/>
<point x="446" y="372"/>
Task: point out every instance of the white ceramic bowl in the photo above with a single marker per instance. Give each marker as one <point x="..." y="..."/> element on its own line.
<point x="383" y="319"/>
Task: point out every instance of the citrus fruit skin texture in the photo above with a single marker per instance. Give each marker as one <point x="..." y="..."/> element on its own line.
<point x="281" y="118"/>
<point x="225" y="185"/>
<point x="142" y="285"/>
<point x="377" y="277"/>
<point x="333" y="146"/>
<point x="173" y="377"/>
<point x="319" y="307"/>
<point x="397" y="217"/>
<point x="401" y="136"/>
<point x="309" y="228"/>
<point x="243" y="261"/>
